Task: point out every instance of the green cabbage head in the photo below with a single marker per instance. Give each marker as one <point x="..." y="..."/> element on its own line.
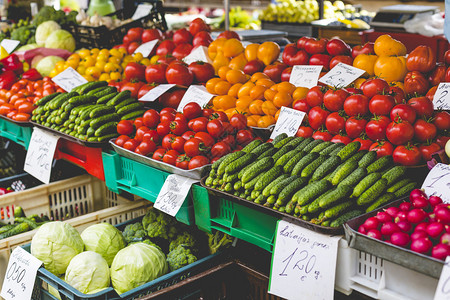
<point x="44" y="30"/>
<point x="135" y="265"/>
<point x="47" y="64"/>
<point x="60" y="39"/>
<point x="103" y="238"/>
<point x="88" y="272"/>
<point x="55" y="244"/>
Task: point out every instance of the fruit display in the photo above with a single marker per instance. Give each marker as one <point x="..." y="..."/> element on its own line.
<point x="324" y="183"/>
<point x="418" y="224"/>
<point x="187" y="140"/>
<point x="90" y="112"/>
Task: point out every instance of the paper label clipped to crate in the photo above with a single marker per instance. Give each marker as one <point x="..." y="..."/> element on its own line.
<point x="20" y="275"/>
<point x="303" y="261"/>
<point x="288" y="122"/>
<point x="441" y="99"/>
<point x="443" y="287"/>
<point x="39" y="158"/>
<point x="142" y="10"/>
<point x="305" y="76"/>
<point x="198" y="54"/>
<point x="146" y="48"/>
<point x="172" y="194"/>
<point x="156" y="92"/>
<point x="437" y="182"/>
<point x="9" y="45"/>
<point x="69" y="79"/>
<point x="341" y="75"/>
<point x="195" y="93"/>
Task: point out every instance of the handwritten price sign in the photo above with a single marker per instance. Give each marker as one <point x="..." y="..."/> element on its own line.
<point x="288" y="122"/>
<point x="443" y="287"/>
<point x="156" y="92"/>
<point x="69" y="79"/>
<point x="341" y="75"/>
<point x="195" y="93"/>
<point x="20" y="275"/>
<point x="173" y="193"/>
<point x="303" y="260"/>
<point x="441" y="99"/>
<point x="438" y="182"/>
<point x="305" y="76"/>
<point x="38" y="161"/>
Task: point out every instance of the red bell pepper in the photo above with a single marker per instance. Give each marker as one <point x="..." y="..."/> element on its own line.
<point x="12" y="63"/>
<point x="7" y="79"/>
<point x="32" y="74"/>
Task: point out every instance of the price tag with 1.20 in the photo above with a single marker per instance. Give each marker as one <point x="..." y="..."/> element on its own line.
<point x="288" y="122"/>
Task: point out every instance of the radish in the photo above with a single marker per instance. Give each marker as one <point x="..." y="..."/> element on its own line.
<point x="371" y="223"/>
<point x="434" y="200"/>
<point x="447" y="228"/>
<point x="404" y="226"/>
<point x="401" y="216"/>
<point x="419" y="234"/>
<point x="440" y="206"/>
<point x="416" y="193"/>
<point x="392" y="211"/>
<point x="435" y="229"/>
<point x="383" y="217"/>
<point x="440" y="251"/>
<point x="400" y="238"/>
<point x="420" y="202"/>
<point x="405" y="206"/>
<point x="445" y="238"/>
<point x="443" y="214"/>
<point x="374" y="233"/>
<point x="421" y="227"/>
<point x="389" y="228"/>
<point x="362" y="229"/>
<point x="421" y="245"/>
<point x="416" y="215"/>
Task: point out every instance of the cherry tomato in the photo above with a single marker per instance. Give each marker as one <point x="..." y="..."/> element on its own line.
<point x="207" y="112"/>
<point x="125" y="127"/>
<point x="198" y="161"/>
<point x="178" y="144"/>
<point x="21" y="117"/>
<point x="153" y="135"/>
<point x="151" y="118"/>
<point x="167" y="141"/>
<point x="182" y="162"/>
<point x="131" y="144"/>
<point x="188" y="134"/>
<point x="163" y="128"/>
<point x="220" y="149"/>
<point x="171" y="157"/>
<point x="140" y="133"/>
<point x="194" y="147"/>
<point x="215" y="128"/>
<point x="230" y="140"/>
<point x="198" y="124"/>
<point x="220" y="115"/>
<point x="121" y="140"/>
<point x="138" y="122"/>
<point x="178" y="127"/>
<point x="192" y="110"/>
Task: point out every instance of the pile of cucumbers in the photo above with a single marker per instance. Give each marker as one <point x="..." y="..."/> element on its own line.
<point x="322" y="182"/>
<point x="89" y="112"/>
<point x="21" y="223"/>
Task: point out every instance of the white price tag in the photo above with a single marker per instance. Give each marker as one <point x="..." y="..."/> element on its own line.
<point x="146" y="48"/>
<point x="172" y="194"/>
<point x="441" y="99"/>
<point x="288" y="122"/>
<point x="341" y="75"/>
<point x="443" y="287"/>
<point x="195" y="93"/>
<point x="69" y="79"/>
<point x="303" y="260"/>
<point x="198" y="54"/>
<point x="438" y="182"/>
<point x="142" y="10"/>
<point x="305" y="76"/>
<point x="9" y="45"/>
<point x="20" y="275"/>
<point x="41" y="150"/>
<point x="156" y="92"/>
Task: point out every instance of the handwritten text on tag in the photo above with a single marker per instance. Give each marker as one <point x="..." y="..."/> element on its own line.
<point x="437" y="182"/>
<point x="305" y="76"/>
<point x="341" y="75"/>
<point x="441" y="99"/>
<point x="288" y="122"/>
<point x="443" y="287"/>
<point x="69" y="79"/>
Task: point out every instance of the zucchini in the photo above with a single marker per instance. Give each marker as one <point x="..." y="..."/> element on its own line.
<point x="338" y="222"/>
<point x="106" y="128"/>
<point x="261" y="149"/>
<point x="355" y="177"/>
<point x="309" y="192"/>
<point x="227" y="160"/>
<point x="365" y="183"/>
<point x="282" y="151"/>
<point x="286" y="193"/>
<point x="335" y="211"/>
<point x="119" y="97"/>
<point x="276" y="189"/>
<point x="395" y="187"/>
<point x="405" y="190"/>
<point x="367" y="159"/>
<point x="257" y="168"/>
<point x="349" y="150"/>
<point x="310" y="168"/>
<point x="394" y="174"/>
<point x="322" y="146"/>
<point x="266" y="190"/>
<point x="285" y="158"/>
<point x="380" y="201"/>
<point x="304" y="143"/>
<point x="303" y="162"/>
<point x="268" y="177"/>
<point x="337" y="194"/>
<point x="133" y="115"/>
<point x="331" y="148"/>
<point x="314" y="206"/>
<point x="252" y="145"/>
<point x="239" y="163"/>
<point x="312" y="145"/>
<point x="283" y="142"/>
<point x="328" y="165"/>
<point x="279" y="137"/>
<point x="380" y="164"/>
<point x="289" y="166"/>
<point x="372" y="192"/>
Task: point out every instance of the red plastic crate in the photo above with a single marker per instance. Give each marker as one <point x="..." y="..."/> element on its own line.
<point x="438" y="43"/>
<point x="88" y="158"/>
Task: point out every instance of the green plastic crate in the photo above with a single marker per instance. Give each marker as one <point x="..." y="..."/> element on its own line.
<point x="15" y="132"/>
<point x="246" y="223"/>
<point x="124" y="174"/>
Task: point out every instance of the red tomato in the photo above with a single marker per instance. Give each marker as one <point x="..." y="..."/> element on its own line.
<point x="21" y="117"/>
<point x="133" y="87"/>
<point x="140" y="133"/>
<point x="366" y="49"/>
<point x="337" y="46"/>
<point x="6" y="108"/>
<point x="427" y="149"/>
<point x="159" y="154"/>
<point x="202" y="71"/>
<point x="253" y="66"/>
<point x="220" y="115"/>
<point x="178" y="73"/>
<point x="138" y="122"/>
<point x="188" y="134"/>
<point x="25" y="107"/>
<point x="340" y="138"/>
<point x="286" y="74"/>
<point x="238" y="121"/>
<point x="404" y="112"/>
<point x="194" y="147"/>
<point x="134" y="34"/>
<point x="345" y="59"/>
<point x="12" y="114"/>
<point x="304" y="131"/>
<point x="314" y="46"/>
<point x="198" y="161"/>
<point x="302" y="42"/>
<point x="442" y="120"/>
<point x="356" y="105"/>
<point x="399" y="132"/>
<point x="398" y="94"/>
<point x="167" y="141"/>
<point x="215" y="128"/>
<point x="151" y="118"/>
<point x="146" y="147"/>
<point x="322" y="135"/>
<point x="198" y="124"/>
<point x="203" y="38"/>
<point x="274" y="71"/>
<point x="156" y="73"/>
<point x="151" y="34"/>
<point x="335" y="123"/>
<point x="365" y="143"/>
<point x="422" y="105"/>
<point x="197" y="25"/>
<point x="134" y="71"/>
<point x="182" y="162"/>
<point x="163" y="117"/>
<point x="372" y="87"/>
<point x="192" y="110"/>
<point x="152" y="135"/>
<point x="381" y="105"/>
<point x="163" y="128"/>
<point x="172" y="99"/>
<point x="125" y="127"/>
<point x="424" y="130"/>
<point x="165" y="48"/>
<point x="320" y="60"/>
<point x="168" y="110"/>
<point x="230" y="140"/>
<point x="178" y="127"/>
<point x="207" y="112"/>
<point x="220" y="149"/>
<point x="244" y="136"/>
<point x="382" y="148"/>
<point x="415" y="82"/>
<point x="376" y="127"/>
<point x="182" y="36"/>
<point x="132" y="47"/>
<point x="206" y="138"/>
<point x="131" y="144"/>
<point x="301" y="105"/>
<point x="182" y="50"/>
<point x="317" y="117"/>
<point x="354" y="126"/>
<point x="121" y="140"/>
<point x="407" y="155"/>
<point x="144" y="90"/>
<point x="171" y="157"/>
<point x="334" y="99"/>
<point x="437" y="75"/>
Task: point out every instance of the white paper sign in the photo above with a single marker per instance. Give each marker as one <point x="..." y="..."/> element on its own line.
<point x="438" y="182"/>
<point x="305" y="76"/>
<point x="9" y="45"/>
<point x="20" y="275"/>
<point x="443" y="287"/>
<point x="288" y="122"/>
<point x="41" y="150"/>
<point x="303" y="261"/>
<point x="156" y="92"/>
<point x="441" y="99"/>
<point x="195" y="93"/>
<point x="341" y="75"/>
<point x="172" y="194"/>
<point x="198" y="54"/>
<point x="142" y="10"/>
<point x="146" y="48"/>
<point x="69" y="79"/>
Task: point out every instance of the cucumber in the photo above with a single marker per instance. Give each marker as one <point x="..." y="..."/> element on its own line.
<point x="405" y="190"/>
<point x="283" y="142"/>
<point x="304" y="143"/>
<point x="395" y="187"/>
<point x="237" y="185"/>
<point x="47" y="98"/>
<point x="303" y="162"/>
<point x="119" y="97"/>
<point x="380" y="164"/>
<point x="84" y="99"/>
<point x="243" y="170"/>
<point x="310" y="168"/>
<point x="30" y="222"/>
<point x="133" y="115"/>
<point x="326" y="223"/>
<point x="372" y="192"/>
<point x="124" y="103"/>
<point x="349" y="150"/>
<point x="276" y="189"/>
<point x="286" y="193"/>
<point x="252" y="145"/>
<point x="331" y="148"/>
<point x="107" y="128"/>
<point x="88" y="86"/>
<point x="282" y="151"/>
<point x="105" y="138"/>
<point x="130" y="108"/>
<point x="60" y="100"/>
<point x="357" y="156"/>
<point x="365" y="183"/>
<point x="295" y="142"/>
<point x="283" y="160"/>
<point x="216" y="164"/>
<point x="346" y="169"/>
<point x="328" y="165"/>
<point x="19" y="228"/>
<point x="249" y="185"/>
<point x="312" y="145"/>
<point x="337" y="150"/>
<point x="7" y="227"/>
<point x="314" y="206"/>
<point x="261" y="199"/>
<point x="266" y="190"/>
<point x="279" y="137"/>
<point x="100" y="111"/>
<point x="337" y="195"/>
<point x="239" y="163"/>
<point x="261" y="149"/>
<point x="268" y="177"/>
<point x="257" y="168"/>
<point x="106" y="98"/>
<point x="367" y="159"/>
<point x="255" y="194"/>
<point x="99" y="121"/>
<point x="394" y="174"/>
<point x="289" y="166"/>
<point x="269" y="152"/>
<point x="96" y="90"/>
<point x="322" y="146"/>
<point x="354" y="178"/>
<point x="335" y="211"/>
<point x="84" y="114"/>
<point x="90" y="132"/>
<point x="309" y="192"/>
<point x="227" y="160"/>
<point x="106" y="91"/>
<point x="380" y="201"/>
<point x="338" y="222"/>
<point x="270" y="201"/>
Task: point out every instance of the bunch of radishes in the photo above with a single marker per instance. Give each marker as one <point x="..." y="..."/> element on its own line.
<point x="421" y="224"/>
